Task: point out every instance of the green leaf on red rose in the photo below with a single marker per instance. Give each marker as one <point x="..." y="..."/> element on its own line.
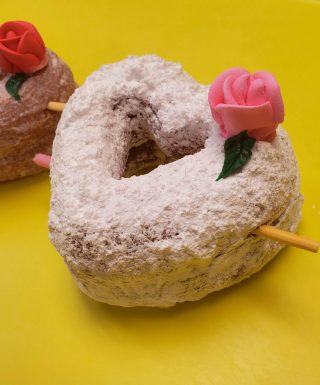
<point x="237" y="152"/>
<point x="14" y="83"/>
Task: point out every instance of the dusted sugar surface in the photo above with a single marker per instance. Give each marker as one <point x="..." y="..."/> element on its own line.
<point x="27" y="127"/>
<point x="173" y="234"/>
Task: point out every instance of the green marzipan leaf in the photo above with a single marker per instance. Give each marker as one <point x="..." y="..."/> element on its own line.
<point x="14" y="83"/>
<point x="237" y="152"/>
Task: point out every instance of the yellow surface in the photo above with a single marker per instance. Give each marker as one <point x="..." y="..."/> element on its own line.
<point x="263" y="331"/>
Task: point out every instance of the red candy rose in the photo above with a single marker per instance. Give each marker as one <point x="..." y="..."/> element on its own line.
<point x="21" y="48"/>
<point x="241" y="101"/>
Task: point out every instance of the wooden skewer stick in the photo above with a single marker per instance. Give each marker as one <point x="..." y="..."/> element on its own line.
<point x="288" y="238"/>
<point x="56" y="106"/>
<point x="263" y="231"/>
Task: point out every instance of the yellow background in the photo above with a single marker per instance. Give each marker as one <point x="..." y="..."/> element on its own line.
<point x="263" y="331"/>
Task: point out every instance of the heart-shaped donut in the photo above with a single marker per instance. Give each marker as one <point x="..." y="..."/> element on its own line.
<point x="173" y="234"/>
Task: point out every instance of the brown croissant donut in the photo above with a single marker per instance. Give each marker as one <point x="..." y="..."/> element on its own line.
<point x="27" y="126"/>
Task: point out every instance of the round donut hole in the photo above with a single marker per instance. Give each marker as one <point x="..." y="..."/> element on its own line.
<point x="144" y="158"/>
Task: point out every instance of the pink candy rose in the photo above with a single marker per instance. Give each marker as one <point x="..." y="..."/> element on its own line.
<point x="21" y="48"/>
<point x="241" y="101"/>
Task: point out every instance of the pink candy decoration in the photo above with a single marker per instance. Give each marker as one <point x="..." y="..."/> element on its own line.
<point x="42" y="160"/>
<point x="241" y="101"/>
<point x="21" y="48"/>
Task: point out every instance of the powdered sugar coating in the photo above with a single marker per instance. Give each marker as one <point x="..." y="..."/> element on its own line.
<point x="174" y="234"/>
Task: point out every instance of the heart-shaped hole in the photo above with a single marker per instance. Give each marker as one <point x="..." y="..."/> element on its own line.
<point x="144" y="158"/>
<point x="147" y="146"/>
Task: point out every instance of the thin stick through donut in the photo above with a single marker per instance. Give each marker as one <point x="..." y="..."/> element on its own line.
<point x="288" y="238"/>
<point x="56" y="106"/>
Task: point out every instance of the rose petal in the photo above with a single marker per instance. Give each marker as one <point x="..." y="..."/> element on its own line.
<point x="228" y="97"/>
<point x="11" y="35"/>
<point x="5" y="65"/>
<point x="256" y="92"/>
<point x="270" y="137"/>
<point x="273" y="94"/>
<point x="264" y="133"/>
<point x="216" y="89"/>
<point x="11" y="43"/>
<point x="244" y="118"/>
<point x="21" y="62"/>
<point x="19" y="28"/>
<point x="29" y="44"/>
<point x="240" y="89"/>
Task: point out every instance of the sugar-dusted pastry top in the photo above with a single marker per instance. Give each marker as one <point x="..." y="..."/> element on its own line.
<point x="54" y="82"/>
<point x="137" y="240"/>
